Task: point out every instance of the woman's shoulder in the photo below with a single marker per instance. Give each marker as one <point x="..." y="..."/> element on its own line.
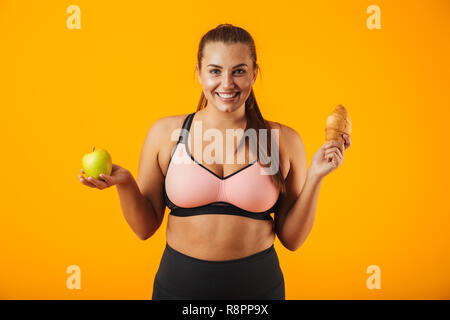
<point x="289" y="139"/>
<point x="162" y="129"/>
<point x="286" y="132"/>
<point x="168" y="123"/>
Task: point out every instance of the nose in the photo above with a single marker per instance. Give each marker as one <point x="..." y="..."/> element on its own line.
<point x="228" y="82"/>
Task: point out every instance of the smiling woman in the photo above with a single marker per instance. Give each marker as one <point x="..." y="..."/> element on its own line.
<point x="219" y="232"/>
<point x="221" y="80"/>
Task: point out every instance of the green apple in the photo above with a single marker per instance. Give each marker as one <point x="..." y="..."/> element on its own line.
<point x="97" y="162"/>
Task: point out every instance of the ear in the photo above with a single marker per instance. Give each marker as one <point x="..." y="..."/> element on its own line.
<point x="254" y="75"/>
<point x="198" y="73"/>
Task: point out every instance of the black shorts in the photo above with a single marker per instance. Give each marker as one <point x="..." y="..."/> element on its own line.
<point x="257" y="276"/>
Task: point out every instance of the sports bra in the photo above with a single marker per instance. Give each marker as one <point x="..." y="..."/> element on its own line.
<point x="192" y="189"/>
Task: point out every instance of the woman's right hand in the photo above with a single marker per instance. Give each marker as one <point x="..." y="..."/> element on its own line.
<point x="118" y="176"/>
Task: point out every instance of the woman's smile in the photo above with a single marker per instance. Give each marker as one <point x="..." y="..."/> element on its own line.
<point x="229" y="97"/>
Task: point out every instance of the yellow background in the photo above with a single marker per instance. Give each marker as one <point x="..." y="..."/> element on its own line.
<point x="63" y="91"/>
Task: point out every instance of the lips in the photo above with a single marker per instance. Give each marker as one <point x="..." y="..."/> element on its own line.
<point x="228" y="95"/>
<point x="227" y="92"/>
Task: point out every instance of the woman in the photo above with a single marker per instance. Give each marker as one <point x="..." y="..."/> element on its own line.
<point x="220" y="234"/>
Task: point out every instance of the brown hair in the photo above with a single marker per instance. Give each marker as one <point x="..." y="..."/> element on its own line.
<point x="230" y="34"/>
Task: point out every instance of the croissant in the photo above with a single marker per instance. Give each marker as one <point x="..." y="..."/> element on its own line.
<point x="338" y="123"/>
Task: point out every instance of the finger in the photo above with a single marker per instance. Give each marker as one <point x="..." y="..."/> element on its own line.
<point x="344" y="136"/>
<point x="331" y="150"/>
<point x="348" y="141"/>
<point x="335" y="156"/>
<point x="86" y="182"/>
<point x="340" y="152"/>
<point x="340" y="144"/>
<point x="335" y="161"/>
<point x="82" y="171"/>
<point x="99" y="184"/>
<point x="331" y="143"/>
<point x="334" y="151"/>
<point x="336" y="143"/>
<point x="331" y="158"/>
<point x="109" y="180"/>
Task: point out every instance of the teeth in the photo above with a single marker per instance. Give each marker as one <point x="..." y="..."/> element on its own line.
<point x="226" y="96"/>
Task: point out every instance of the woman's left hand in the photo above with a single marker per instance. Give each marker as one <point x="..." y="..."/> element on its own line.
<point x="329" y="157"/>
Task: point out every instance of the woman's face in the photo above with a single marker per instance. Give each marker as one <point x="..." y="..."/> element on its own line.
<point x="226" y="68"/>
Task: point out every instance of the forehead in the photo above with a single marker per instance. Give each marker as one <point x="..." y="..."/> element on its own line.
<point x="223" y="54"/>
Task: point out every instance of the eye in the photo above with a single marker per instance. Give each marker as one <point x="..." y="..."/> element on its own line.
<point x="212" y="71"/>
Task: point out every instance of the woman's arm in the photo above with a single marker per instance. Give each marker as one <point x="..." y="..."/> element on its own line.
<point x="297" y="209"/>
<point x="142" y="201"/>
<point x="137" y="210"/>
<point x="295" y="224"/>
<point x="295" y="217"/>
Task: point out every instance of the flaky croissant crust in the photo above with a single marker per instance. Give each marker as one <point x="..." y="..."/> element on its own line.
<point x="338" y="123"/>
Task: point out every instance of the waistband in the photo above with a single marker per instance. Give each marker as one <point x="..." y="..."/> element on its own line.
<point x="252" y="276"/>
<point x="251" y="257"/>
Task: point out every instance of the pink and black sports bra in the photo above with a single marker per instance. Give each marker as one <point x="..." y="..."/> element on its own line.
<point x="192" y="189"/>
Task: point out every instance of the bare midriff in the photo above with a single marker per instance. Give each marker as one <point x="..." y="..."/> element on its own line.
<point x="217" y="237"/>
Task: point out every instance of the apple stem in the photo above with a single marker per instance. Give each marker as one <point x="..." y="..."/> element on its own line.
<point x="93" y="149"/>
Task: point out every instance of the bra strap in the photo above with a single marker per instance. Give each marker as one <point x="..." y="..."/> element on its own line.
<point x="185" y="128"/>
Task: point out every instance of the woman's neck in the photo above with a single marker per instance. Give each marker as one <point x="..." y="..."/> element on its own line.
<point x="214" y="118"/>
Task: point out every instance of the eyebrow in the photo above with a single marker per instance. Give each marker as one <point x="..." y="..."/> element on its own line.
<point x="215" y="65"/>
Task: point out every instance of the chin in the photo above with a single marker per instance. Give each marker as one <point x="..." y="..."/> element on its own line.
<point x="227" y="108"/>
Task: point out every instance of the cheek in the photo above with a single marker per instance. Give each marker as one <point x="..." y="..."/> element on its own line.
<point x="244" y="83"/>
<point x="210" y="83"/>
<point x="246" y="88"/>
